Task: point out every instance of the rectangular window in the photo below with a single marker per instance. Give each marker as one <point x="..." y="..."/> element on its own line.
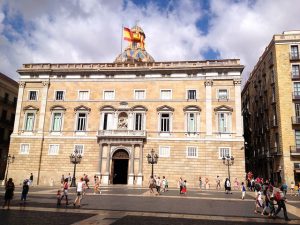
<point x="83" y="95"/>
<point x="24" y="149"/>
<point x="191" y="122"/>
<point x="297" y="137"/>
<point x="294" y="52"/>
<point x="59" y="95"/>
<point x="109" y="95"/>
<point x="81" y="122"/>
<point x="108" y="121"/>
<point x="32" y="95"/>
<point x="297" y="110"/>
<point x="79" y="149"/>
<point x="29" y="122"/>
<point x="191" y="94"/>
<point x="164" y="151"/>
<point x="223" y="122"/>
<point x="297" y="89"/>
<point x="223" y="94"/>
<point x="224" y="152"/>
<point x="56" y="121"/>
<point x="138" y="121"/>
<point x="139" y="94"/>
<point x="166" y="94"/>
<point x="165" y="122"/>
<point x="295" y="71"/>
<point x="192" y="152"/>
<point x="53" y="149"/>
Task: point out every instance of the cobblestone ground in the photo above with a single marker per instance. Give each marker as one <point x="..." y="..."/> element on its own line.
<point x="122" y="205"/>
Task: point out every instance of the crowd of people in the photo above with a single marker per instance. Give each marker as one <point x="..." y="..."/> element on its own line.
<point x="157" y="185"/>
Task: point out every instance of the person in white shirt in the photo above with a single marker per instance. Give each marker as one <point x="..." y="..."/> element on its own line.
<point x="79" y="190"/>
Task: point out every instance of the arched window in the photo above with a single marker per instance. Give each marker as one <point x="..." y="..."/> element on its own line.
<point x="223" y="114"/>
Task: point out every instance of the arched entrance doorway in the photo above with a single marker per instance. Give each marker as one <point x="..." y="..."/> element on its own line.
<point x="120" y="167"/>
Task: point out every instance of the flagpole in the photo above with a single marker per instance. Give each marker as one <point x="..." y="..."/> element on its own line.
<point x="122" y="43"/>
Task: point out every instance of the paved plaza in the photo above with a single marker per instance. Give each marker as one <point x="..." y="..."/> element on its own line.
<point x="120" y="205"/>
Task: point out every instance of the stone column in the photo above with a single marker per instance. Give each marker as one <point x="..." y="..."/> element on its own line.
<point x="208" y="106"/>
<point x="100" y="159"/>
<point x="44" y="97"/>
<point x="105" y="176"/>
<point x="139" y="179"/>
<point x="131" y="167"/>
<point x="19" y="106"/>
<point x="238" y="111"/>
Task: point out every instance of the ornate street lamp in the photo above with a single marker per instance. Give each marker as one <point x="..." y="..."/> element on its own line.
<point x="152" y="159"/>
<point x="9" y="159"/>
<point x="228" y="161"/>
<point x="75" y="158"/>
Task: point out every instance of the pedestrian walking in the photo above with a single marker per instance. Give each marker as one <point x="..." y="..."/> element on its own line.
<point x="218" y="183"/>
<point x="258" y="201"/>
<point x="31" y="179"/>
<point x="9" y="192"/>
<point x="164" y="184"/>
<point x="236" y="184"/>
<point x="280" y="199"/>
<point x="158" y="185"/>
<point x="292" y="188"/>
<point x="62" y="179"/>
<point x="25" y="190"/>
<point x="86" y="180"/>
<point x="65" y="191"/>
<point x="69" y="178"/>
<point x="180" y="184"/>
<point x="200" y="183"/>
<point x="79" y="190"/>
<point x="284" y="188"/>
<point x="58" y="198"/>
<point x="243" y="189"/>
<point x="97" y="187"/>
<point x="227" y="186"/>
<point x="151" y="184"/>
<point x="184" y="189"/>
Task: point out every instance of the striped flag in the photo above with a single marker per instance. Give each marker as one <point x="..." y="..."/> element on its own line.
<point x="127" y="34"/>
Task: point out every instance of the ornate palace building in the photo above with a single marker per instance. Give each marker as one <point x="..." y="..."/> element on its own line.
<point x="271" y="110"/>
<point x="114" y="114"/>
<point x="8" y="103"/>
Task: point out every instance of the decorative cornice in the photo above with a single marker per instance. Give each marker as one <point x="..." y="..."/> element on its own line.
<point x="223" y="108"/>
<point x="208" y="83"/>
<point x="139" y="108"/>
<point x="165" y="108"/>
<point x="22" y="84"/>
<point x="31" y="107"/>
<point x="237" y="82"/>
<point x="45" y="83"/>
<point x="58" y="107"/>
<point x="192" y="108"/>
<point x="82" y="108"/>
<point x="107" y="108"/>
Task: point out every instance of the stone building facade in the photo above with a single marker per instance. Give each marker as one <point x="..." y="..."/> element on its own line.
<point x="271" y="110"/>
<point x="8" y="103"/>
<point x="114" y="114"/>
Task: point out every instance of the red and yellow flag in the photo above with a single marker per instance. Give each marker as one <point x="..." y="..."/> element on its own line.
<point x="127" y="34"/>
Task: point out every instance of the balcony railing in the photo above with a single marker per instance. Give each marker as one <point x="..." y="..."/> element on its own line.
<point x="295" y="150"/>
<point x="296" y="95"/>
<point x="295" y="119"/>
<point x="295" y="75"/>
<point x="275" y="151"/>
<point x="122" y="133"/>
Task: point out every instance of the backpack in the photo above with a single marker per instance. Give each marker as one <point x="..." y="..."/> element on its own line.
<point x="277" y="196"/>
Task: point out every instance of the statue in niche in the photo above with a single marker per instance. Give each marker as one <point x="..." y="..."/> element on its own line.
<point x="123" y="123"/>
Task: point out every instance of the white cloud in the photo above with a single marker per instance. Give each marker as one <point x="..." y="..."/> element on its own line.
<point x="90" y="31"/>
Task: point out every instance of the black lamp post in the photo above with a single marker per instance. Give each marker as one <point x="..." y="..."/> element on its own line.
<point x="9" y="159"/>
<point x="152" y="159"/>
<point x="75" y="158"/>
<point x="228" y="161"/>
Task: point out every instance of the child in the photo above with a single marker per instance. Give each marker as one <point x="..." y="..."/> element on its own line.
<point x="243" y="190"/>
<point x="58" y="197"/>
<point x="183" y="191"/>
<point x="24" y="191"/>
<point x="259" y="201"/>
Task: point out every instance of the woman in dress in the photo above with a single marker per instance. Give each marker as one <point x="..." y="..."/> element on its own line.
<point x="200" y="183"/>
<point x="9" y="192"/>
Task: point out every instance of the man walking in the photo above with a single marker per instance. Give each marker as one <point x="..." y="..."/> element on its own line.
<point x="218" y="182"/>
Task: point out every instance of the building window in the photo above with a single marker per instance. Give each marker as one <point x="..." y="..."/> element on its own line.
<point x="83" y="95"/>
<point x="166" y="94"/>
<point x="192" y="152"/>
<point x="81" y="122"/>
<point x="139" y="94"/>
<point x="224" y="152"/>
<point x="53" y="149"/>
<point x="164" y="151"/>
<point x="297" y="137"/>
<point x="108" y="121"/>
<point x="138" y="121"/>
<point x="223" y="122"/>
<point x="191" y="122"/>
<point x="56" y="121"/>
<point x="295" y="71"/>
<point x="223" y="94"/>
<point x="29" y="122"/>
<point x="32" y="96"/>
<point x="165" y="122"/>
<point x="24" y="149"/>
<point x="294" y="52"/>
<point x="109" y="95"/>
<point x="297" y="89"/>
<point x="79" y="149"/>
<point x="59" y="95"/>
<point x="191" y="94"/>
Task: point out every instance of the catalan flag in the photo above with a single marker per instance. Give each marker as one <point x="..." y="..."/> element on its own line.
<point x="127" y="34"/>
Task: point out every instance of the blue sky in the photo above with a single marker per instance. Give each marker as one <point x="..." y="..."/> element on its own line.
<point x="54" y="31"/>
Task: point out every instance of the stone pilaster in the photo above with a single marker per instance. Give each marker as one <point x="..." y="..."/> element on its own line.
<point x="105" y="176"/>
<point x="44" y="97"/>
<point x="238" y="108"/>
<point x="208" y="106"/>
<point x="139" y="179"/>
<point x="131" y="167"/>
<point x="19" y="106"/>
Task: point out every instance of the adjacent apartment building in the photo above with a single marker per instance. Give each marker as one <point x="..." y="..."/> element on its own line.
<point x="114" y="114"/>
<point x="8" y="103"/>
<point x="271" y="111"/>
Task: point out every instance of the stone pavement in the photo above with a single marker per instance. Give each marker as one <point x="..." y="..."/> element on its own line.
<point x="121" y="205"/>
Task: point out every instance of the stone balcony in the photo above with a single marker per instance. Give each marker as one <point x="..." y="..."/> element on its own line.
<point x="122" y="134"/>
<point x="295" y="150"/>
